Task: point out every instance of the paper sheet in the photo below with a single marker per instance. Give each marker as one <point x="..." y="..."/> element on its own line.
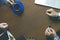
<point x="51" y="3"/>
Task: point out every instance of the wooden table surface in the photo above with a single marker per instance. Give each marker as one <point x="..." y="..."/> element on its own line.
<point x="32" y="22"/>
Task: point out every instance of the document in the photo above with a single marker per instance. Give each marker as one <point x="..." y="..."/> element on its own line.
<point x="50" y="3"/>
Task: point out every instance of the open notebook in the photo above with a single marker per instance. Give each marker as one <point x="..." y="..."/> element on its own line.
<point x="50" y="3"/>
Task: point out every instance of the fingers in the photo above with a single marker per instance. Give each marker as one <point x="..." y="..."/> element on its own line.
<point x="12" y="1"/>
<point x="9" y="1"/>
<point x="50" y="31"/>
<point x="51" y="12"/>
<point x="47" y="31"/>
<point x="3" y="25"/>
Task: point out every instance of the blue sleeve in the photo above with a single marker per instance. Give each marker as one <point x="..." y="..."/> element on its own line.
<point x="56" y="38"/>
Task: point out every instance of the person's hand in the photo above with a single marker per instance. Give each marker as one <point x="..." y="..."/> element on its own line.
<point x="3" y="25"/>
<point x="50" y="32"/>
<point x="10" y="1"/>
<point x="51" y="12"/>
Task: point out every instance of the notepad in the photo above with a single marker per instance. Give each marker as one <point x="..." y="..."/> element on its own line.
<point x="50" y="3"/>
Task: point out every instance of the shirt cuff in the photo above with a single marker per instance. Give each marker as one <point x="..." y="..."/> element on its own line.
<point x="56" y="37"/>
<point x="59" y="14"/>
